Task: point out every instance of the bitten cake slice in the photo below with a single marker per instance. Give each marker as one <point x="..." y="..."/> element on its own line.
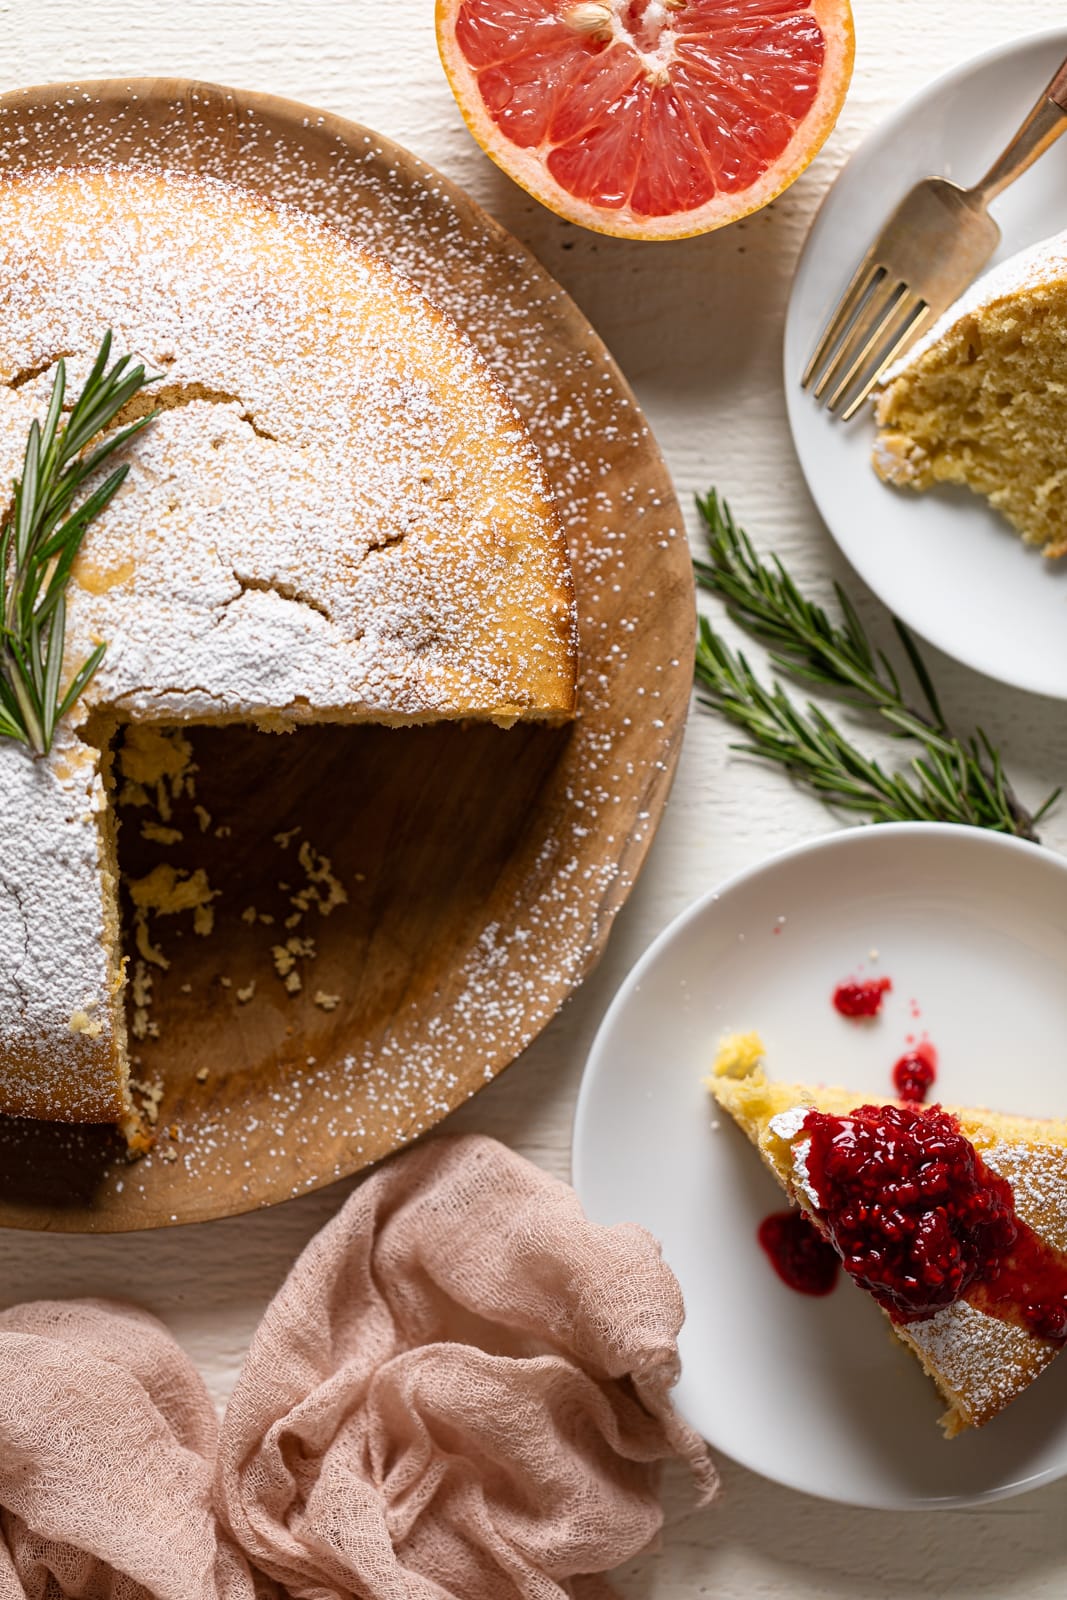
<point x="955" y="1221"/>
<point x="981" y="399"/>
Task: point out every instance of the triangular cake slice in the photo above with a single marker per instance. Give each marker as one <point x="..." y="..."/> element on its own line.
<point x="955" y="1220"/>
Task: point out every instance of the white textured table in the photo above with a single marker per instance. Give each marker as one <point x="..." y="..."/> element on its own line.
<point x="697" y="328"/>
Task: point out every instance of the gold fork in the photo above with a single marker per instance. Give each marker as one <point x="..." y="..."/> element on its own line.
<point x="935" y="243"/>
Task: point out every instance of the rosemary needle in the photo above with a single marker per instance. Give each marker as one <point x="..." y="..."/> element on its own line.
<point x="950" y="779"/>
<point x="40" y="536"/>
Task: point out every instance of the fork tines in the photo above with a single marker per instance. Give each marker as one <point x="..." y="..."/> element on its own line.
<point x="876" y="317"/>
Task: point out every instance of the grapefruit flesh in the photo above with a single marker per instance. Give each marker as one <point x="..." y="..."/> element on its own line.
<point x="649" y="118"/>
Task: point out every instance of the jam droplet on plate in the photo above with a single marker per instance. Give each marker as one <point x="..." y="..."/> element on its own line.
<point x="801" y="1258"/>
<point x="861" y="997"/>
<point x="915" y="1072"/>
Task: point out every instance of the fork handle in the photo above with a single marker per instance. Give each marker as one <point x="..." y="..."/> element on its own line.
<point x="1042" y="128"/>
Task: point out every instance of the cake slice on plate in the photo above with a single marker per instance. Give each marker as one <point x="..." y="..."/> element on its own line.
<point x="980" y="400"/>
<point x="954" y="1220"/>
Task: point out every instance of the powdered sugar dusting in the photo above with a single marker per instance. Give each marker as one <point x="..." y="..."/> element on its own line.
<point x="360" y="517"/>
<point x="1038" y="1176"/>
<point x="982" y="1362"/>
<point x="787" y="1124"/>
<point x="54" y="971"/>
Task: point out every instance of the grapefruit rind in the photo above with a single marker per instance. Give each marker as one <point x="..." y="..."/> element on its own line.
<point x="528" y="168"/>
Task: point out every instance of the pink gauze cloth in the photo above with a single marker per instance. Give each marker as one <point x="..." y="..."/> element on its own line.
<point x="461" y="1392"/>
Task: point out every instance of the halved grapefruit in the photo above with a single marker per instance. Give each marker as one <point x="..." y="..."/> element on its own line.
<point x="654" y="119"/>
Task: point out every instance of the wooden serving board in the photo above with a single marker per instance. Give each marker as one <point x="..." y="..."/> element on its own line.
<point x="483" y="868"/>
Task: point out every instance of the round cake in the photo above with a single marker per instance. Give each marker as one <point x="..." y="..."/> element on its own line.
<point x="980" y="399"/>
<point x="337" y="515"/>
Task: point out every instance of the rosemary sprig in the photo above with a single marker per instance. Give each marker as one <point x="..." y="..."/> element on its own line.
<point x="40" y="536"/>
<point x="953" y="779"/>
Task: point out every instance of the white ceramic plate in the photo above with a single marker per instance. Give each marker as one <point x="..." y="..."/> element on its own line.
<point x="943" y="561"/>
<point x="972" y="929"/>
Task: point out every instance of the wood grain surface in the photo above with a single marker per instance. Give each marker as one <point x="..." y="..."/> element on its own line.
<point x="697" y="328"/>
<point x="478" y="870"/>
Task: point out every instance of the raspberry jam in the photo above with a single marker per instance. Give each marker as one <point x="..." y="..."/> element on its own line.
<point x="1029" y="1286"/>
<point x="861" y="997"/>
<point x="800" y="1257"/>
<point x="920" y="1221"/>
<point x="915" y="1072"/>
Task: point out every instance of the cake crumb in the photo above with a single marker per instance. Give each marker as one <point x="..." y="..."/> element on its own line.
<point x="248" y="914"/>
<point x="292" y="982"/>
<point x="141" y="986"/>
<point x="141" y="994"/>
<point x="150" y="1095"/>
<point x="739" y="1054"/>
<point x="202" y="1075"/>
<point x="203" y="816"/>
<point x="326" y="1002"/>
<point x="145" y="947"/>
<point x="322" y="889"/>
<point x="168" y="890"/>
<point x="82" y="1022"/>
<point x="283" y="840"/>
<point x="286" y="955"/>
<point x="152" y="757"/>
<point x="158" y="834"/>
<point x="244" y="995"/>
